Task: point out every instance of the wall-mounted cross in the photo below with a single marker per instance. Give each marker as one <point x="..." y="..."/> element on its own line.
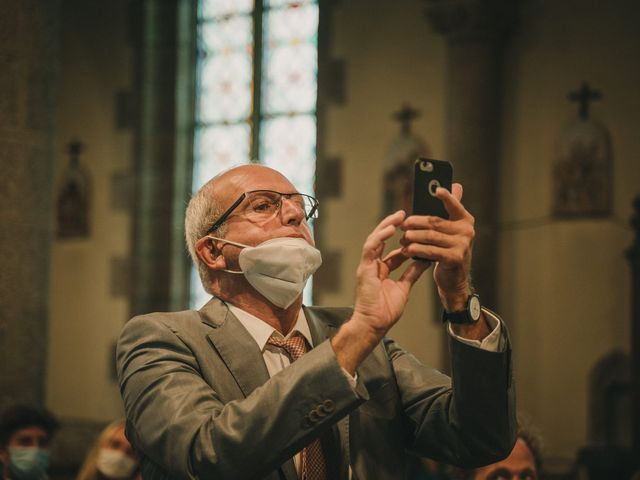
<point x="405" y="116"/>
<point x="74" y="149"/>
<point x="583" y="97"/>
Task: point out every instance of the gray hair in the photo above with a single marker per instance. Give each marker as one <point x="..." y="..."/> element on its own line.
<point x="203" y="209"/>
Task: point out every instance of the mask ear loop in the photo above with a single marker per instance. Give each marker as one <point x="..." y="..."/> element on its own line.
<point x="241" y="245"/>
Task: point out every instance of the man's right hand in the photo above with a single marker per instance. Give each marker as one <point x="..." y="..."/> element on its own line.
<point x="380" y="300"/>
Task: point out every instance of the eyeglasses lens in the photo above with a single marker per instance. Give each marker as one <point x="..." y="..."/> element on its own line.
<point x="263" y="204"/>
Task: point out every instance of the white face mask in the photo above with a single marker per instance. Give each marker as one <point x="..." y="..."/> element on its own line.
<point x="115" y="464"/>
<point x="278" y="268"/>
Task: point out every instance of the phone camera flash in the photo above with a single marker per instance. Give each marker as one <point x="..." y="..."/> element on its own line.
<point x="426" y="166"/>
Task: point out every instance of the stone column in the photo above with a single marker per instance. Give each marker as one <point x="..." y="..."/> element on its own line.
<point x="633" y="255"/>
<point x="160" y="264"/>
<point x="475" y="31"/>
<point x="29" y="42"/>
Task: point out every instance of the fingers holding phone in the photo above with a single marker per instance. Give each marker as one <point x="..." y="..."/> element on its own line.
<point x="432" y="238"/>
<point x="452" y="202"/>
<point x="440" y="229"/>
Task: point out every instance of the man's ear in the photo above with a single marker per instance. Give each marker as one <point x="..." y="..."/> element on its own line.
<point x="209" y="253"/>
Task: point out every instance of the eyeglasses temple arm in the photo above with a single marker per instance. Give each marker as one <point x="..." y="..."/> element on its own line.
<point x="226" y="214"/>
<point x="313" y="210"/>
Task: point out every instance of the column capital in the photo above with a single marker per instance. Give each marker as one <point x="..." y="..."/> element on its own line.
<point x="472" y="20"/>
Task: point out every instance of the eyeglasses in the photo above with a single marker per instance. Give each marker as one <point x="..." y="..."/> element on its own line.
<point x="265" y="204"/>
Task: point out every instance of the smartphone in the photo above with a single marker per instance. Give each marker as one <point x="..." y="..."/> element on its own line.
<point x="428" y="175"/>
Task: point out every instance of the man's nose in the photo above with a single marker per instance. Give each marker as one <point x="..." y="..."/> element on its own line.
<point x="291" y="212"/>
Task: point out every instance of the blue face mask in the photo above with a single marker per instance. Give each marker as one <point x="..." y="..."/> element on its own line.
<point x="28" y="462"/>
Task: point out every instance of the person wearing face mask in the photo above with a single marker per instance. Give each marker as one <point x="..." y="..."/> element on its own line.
<point x="25" y="436"/>
<point x="254" y="385"/>
<point x="111" y="457"/>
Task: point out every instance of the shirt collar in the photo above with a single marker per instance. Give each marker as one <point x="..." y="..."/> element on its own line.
<point x="261" y="331"/>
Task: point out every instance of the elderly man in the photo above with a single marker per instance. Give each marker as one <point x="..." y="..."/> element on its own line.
<point x="254" y="385"/>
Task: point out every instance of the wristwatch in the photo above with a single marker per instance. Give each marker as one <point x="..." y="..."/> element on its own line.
<point x="469" y="315"/>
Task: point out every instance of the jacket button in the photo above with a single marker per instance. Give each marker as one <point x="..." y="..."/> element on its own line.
<point x="306" y="422"/>
<point x="328" y="406"/>
<point x="314" y="416"/>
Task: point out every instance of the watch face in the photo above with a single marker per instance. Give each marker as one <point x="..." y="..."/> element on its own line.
<point x="474" y="307"/>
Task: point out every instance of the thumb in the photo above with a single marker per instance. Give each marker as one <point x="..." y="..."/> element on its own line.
<point x="456" y="191"/>
<point x="413" y="272"/>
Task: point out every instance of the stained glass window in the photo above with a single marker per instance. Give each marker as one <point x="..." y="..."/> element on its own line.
<point x="245" y="113"/>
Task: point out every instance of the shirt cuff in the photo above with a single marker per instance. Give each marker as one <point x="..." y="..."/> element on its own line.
<point x="491" y="342"/>
<point x="353" y="379"/>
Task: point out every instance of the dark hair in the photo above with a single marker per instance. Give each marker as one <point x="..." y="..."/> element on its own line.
<point x="527" y="433"/>
<point x="23" y="416"/>
<point x="532" y="438"/>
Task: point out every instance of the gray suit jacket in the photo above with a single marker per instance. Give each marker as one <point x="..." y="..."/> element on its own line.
<point x="200" y="404"/>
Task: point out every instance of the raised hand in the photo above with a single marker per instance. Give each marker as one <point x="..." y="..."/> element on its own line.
<point x="380" y="300"/>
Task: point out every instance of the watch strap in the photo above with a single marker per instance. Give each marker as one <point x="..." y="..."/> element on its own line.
<point x="465" y="316"/>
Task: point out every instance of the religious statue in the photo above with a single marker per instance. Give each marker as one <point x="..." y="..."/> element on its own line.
<point x="582" y="180"/>
<point x="73" y="197"/>
<point x="398" y="163"/>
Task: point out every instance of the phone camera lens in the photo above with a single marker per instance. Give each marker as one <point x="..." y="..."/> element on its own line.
<point x="433" y="186"/>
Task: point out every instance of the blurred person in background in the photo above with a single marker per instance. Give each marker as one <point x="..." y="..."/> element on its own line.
<point x="25" y="436"/>
<point x="111" y="457"/>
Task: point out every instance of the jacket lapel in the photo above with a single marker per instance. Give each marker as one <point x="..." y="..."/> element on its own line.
<point x="244" y="360"/>
<point x="322" y="327"/>
<point x="236" y="346"/>
<point x="241" y="354"/>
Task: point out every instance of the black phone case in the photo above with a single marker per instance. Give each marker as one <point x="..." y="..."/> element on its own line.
<point x="429" y="174"/>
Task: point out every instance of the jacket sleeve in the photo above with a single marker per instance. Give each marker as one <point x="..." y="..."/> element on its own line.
<point x="178" y="421"/>
<point x="467" y="420"/>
